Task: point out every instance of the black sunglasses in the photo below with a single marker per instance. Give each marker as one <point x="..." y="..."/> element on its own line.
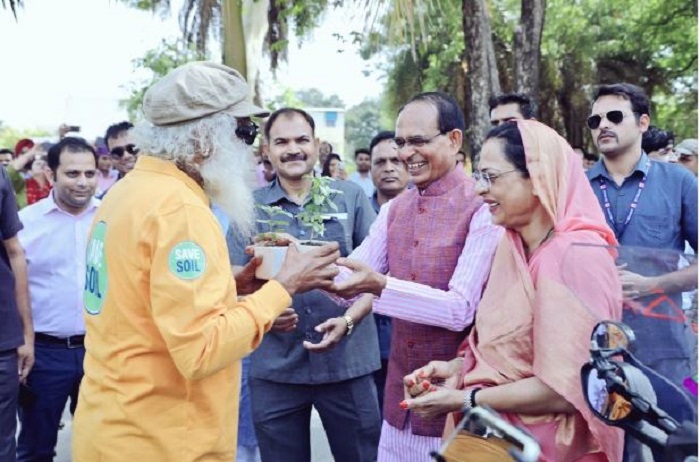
<point x="613" y="116"/>
<point x="247" y="132"/>
<point x="120" y="150"/>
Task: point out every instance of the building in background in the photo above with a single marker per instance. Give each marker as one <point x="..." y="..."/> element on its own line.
<point x="330" y="126"/>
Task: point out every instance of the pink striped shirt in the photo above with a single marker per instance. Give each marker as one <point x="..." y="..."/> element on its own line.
<point x="415" y="302"/>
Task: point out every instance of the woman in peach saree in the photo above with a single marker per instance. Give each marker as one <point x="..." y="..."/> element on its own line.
<point x="533" y="325"/>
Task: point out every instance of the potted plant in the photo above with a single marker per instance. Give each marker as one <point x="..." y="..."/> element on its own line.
<point x="319" y="200"/>
<point x="268" y="244"/>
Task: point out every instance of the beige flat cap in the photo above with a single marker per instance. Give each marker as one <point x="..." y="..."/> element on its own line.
<point x="196" y="90"/>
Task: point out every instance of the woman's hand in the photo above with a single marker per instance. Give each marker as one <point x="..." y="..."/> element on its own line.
<point x="435" y="403"/>
<point x="445" y="374"/>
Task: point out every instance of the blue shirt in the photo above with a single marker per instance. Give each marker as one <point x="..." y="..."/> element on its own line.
<point x="667" y="213"/>
<point x="281" y="357"/>
<point x="665" y="218"/>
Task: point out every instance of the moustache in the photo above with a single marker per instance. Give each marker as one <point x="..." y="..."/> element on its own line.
<point x="606" y="133"/>
<point x="293" y="157"/>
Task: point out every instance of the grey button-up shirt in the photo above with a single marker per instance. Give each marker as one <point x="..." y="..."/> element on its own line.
<point x="281" y="357"/>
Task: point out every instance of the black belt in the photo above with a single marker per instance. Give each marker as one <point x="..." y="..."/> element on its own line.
<point x="74" y="341"/>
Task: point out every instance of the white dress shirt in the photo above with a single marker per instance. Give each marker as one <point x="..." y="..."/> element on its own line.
<point x="55" y="243"/>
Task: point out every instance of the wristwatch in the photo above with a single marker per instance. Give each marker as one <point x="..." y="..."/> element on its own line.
<point x="350" y="323"/>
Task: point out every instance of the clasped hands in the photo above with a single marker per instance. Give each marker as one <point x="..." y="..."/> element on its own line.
<point x="433" y="390"/>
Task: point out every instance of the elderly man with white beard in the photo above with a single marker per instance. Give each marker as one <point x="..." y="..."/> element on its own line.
<point x="165" y="327"/>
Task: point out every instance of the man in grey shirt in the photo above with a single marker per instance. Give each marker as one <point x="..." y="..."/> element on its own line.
<point x="286" y="379"/>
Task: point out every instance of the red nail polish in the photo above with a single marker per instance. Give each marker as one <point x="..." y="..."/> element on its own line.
<point x="433" y="388"/>
<point x="426" y="385"/>
<point x="411" y="383"/>
<point x="403" y="405"/>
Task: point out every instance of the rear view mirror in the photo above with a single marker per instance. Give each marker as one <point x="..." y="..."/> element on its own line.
<point x="611" y="407"/>
<point x="609" y="335"/>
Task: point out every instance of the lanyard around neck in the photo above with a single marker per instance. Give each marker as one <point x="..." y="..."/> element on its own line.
<point x="633" y="205"/>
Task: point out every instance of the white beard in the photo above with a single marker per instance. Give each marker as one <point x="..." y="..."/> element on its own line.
<point x="229" y="180"/>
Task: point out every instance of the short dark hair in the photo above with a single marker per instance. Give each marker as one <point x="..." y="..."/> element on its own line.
<point x="114" y="130"/>
<point x="327" y="164"/>
<point x="289" y="112"/>
<point x="450" y="116"/>
<point x="634" y="94"/>
<point x="591" y="156"/>
<point x="7" y="151"/>
<point x="71" y="144"/>
<point x="514" y="147"/>
<point x="362" y="151"/>
<point x="654" y="139"/>
<point x="378" y="138"/>
<point x="524" y="102"/>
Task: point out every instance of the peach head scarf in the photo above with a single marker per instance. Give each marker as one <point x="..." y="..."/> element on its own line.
<point x="536" y="315"/>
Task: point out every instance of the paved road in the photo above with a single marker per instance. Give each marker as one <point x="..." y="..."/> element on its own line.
<point x="319" y="445"/>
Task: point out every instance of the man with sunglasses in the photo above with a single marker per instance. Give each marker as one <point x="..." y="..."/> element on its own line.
<point x="121" y="147"/>
<point x="647" y="204"/>
<point x="165" y="330"/>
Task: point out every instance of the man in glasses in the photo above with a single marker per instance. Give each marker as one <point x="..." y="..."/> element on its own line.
<point x="647" y="204"/>
<point x="510" y="106"/>
<point x="164" y="326"/>
<point x="121" y="147"/>
<point x="686" y="154"/>
<point x="437" y="243"/>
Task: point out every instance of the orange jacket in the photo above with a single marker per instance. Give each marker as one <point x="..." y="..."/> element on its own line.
<point x="165" y="332"/>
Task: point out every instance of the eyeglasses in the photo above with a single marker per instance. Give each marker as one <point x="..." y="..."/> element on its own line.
<point x="247" y="132"/>
<point x="120" y="150"/>
<point x="485" y="179"/>
<point x="415" y="141"/>
<point x="613" y="116"/>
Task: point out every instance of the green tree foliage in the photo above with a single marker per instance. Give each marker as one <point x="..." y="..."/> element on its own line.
<point x="362" y="122"/>
<point x="585" y="43"/>
<point x="10" y="136"/>
<point x="313" y="97"/>
<point x="307" y="97"/>
<point x="157" y="62"/>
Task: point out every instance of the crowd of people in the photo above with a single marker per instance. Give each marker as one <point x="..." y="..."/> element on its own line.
<point x="128" y="287"/>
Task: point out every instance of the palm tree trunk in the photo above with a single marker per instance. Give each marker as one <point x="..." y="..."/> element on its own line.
<point x="527" y="40"/>
<point x="482" y="73"/>
<point x="234" y="52"/>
